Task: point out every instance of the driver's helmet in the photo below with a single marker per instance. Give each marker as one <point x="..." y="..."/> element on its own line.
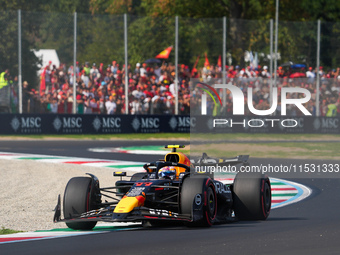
<point x="167" y="172"/>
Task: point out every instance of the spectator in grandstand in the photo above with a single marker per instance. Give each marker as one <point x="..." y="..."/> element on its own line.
<point x="26" y="95"/>
<point x="87" y="69"/>
<point x="143" y="70"/>
<point x="157" y="72"/>
<point x="170" y="105"/>
<point x="120" y="109"/>
<point x="62" y="102"/>
<point x="184" y="105"/>
<point x="151" y="89"/>
<point x="80" y="104"/>
<point x="102" y="107"/>
<point x="54" y="105"/>
<point x="135" y="106"/>
<point x="138" y="93"/>
<point x="310" y="73"/>
<point x="101" y="71"/>
<point x="114" y="67"/>
<point x="70" y="72"/>
<point x="94" y="73"/>
<point x="77" y="69"/>
<point x="280" y="72"/>
<point x="332" y="108"/>
<point x="87" y="104"/>
<point x="265" y="73"/>
<point x="111" y="105"/>
<point x="48" y="77"/>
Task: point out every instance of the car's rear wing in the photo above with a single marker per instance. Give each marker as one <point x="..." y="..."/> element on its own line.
<point x="208" y="161"/>
<point x="209" y="165"/>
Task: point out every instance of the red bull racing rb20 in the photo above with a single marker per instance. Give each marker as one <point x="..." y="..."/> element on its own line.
<point x="167" y="191"/>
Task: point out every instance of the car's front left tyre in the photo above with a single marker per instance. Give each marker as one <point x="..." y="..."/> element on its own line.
<point x="81" y="195"/>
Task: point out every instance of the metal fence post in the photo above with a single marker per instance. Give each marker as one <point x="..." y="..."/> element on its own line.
<point x="318" y="73"/>
<point x="276" y="39"/>
<point x="224" y="48"/>
<point x="126" y="65"/>
<point x="176" y="65"/>
<point x="19" y="62"/>
<point x="271" y="63"/>
<point x="74" y="64"/>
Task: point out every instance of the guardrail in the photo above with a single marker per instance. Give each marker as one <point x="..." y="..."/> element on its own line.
<point x="15" y="124"/>
<point x="92" y="124"/>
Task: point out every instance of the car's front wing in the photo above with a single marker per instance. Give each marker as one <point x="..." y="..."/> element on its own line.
<point x="138" y="214"/>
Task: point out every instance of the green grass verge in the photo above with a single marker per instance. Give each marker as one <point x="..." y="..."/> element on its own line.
<point x="6" y="231"/>
<point x="269" y="137"/>
<point x="294" y="146"/>
<point x="289" y="150"/>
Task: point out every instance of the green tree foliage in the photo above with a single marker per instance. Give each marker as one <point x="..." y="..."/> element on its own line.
<point x="43" y="27"/>
<point x="9" y="48"/>
<point x="100" y="38"/>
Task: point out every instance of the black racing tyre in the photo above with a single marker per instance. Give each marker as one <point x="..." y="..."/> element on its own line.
<point x="79" y="197"/>
<point x="137" y="176"/>
<point x="252" y="196"/>
<point x="204" y="186"/>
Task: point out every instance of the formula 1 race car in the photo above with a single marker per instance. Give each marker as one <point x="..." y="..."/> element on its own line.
<point x="169" y="191"/>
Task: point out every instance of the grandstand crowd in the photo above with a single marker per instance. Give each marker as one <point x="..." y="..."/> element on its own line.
<point x="151" y="89"/>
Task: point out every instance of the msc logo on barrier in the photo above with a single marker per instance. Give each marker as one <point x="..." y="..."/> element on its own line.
<point x="326" y="125"/>
<point x="26" y="125"/>
<point x="68" y="125"/>
<point x="107" y="124"/>
<point x="146" y="124"/>
<point x="182" y="124"/>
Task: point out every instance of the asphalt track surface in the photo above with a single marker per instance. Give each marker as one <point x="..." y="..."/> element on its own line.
<point x="311" y="226"/>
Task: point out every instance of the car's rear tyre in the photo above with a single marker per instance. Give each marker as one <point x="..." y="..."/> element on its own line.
<point x="252" y="196"/>
<point x="204" y="186"/>
<point x="137" y="176"/>
<point x="81" y="195"/>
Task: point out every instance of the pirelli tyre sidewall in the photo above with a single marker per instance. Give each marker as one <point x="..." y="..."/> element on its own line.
<point x="81" y="195"/>
<point x="251" y="196"/>
<point x="199" y="192"/>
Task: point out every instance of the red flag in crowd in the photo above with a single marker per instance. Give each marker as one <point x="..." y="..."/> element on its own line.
<point x="219" y="61"/>
<point x="165" y="53"/>
<point x="42" y="81"/>
<point x="195" y="65"/>
<point x="206" y="62"/>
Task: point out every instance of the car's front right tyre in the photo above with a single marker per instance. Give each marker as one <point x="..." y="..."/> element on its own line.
<point x="204" y="187"/>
